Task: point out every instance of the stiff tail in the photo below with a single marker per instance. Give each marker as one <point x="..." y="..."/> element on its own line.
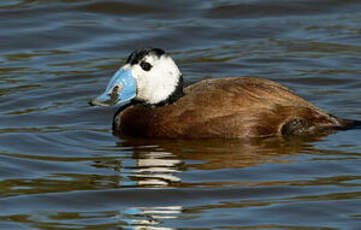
<point x="357" y="124"/>
<point x="348" y="124"/>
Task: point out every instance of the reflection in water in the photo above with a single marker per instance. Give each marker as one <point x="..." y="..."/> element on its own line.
<point x="150" y="217"/>
<point x="158" y="164"/>
<point x="155" y="169"/>
<point x="170" y="156"/>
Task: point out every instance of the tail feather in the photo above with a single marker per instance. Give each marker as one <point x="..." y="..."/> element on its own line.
<point x="348" y="124"/>
<point x="357" y="124"/>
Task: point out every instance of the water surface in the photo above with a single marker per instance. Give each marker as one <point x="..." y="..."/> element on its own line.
<point x="62" y="168"/>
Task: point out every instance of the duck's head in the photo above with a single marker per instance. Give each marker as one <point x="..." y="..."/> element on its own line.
<point x="149" y="76"/>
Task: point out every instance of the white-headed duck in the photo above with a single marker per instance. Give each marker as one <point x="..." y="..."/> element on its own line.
<point x="154" y="103"/>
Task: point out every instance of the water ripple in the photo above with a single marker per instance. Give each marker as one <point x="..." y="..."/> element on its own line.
<point x="61" y="167"/>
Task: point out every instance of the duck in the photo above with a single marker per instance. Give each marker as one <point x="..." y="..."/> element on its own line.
<point x="154" y="103"/>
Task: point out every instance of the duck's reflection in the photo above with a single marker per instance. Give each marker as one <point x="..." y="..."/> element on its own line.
<point x="155" y="157"/>
<point x="150" y="217"/>
<point x="155" y="168"/>
<point x="162" y="164"/>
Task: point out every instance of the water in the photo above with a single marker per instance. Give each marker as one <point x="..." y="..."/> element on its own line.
<point x="62" y="168"/>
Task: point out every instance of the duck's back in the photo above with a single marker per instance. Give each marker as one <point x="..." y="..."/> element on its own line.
<point x="226" y="108"/>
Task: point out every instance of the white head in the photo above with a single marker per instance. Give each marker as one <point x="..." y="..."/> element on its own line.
<point x="149" y="76"/>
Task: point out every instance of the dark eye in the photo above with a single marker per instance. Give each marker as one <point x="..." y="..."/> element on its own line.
<point x="145" y="66"/>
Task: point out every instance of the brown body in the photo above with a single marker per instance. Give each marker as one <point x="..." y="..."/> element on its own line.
<point x="228" y="108"/>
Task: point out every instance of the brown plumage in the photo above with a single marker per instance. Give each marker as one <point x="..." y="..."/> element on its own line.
<point x="228" y="108"/>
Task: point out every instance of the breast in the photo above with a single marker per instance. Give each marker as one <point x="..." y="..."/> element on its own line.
<point x="226" y="108"/>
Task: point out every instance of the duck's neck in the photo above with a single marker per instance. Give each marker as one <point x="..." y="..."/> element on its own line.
<point x="174" y="96"/>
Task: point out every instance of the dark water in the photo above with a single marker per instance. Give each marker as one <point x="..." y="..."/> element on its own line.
<point x="62" y="168"/>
